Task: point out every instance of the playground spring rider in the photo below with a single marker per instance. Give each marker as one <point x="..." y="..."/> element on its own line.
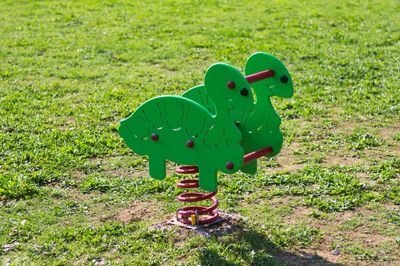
<point x="212" y="127"/>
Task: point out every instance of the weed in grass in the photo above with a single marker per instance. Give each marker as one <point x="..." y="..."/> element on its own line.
<point x="17" y="186"/>
<point x="362" y="253"/>
<point x="397" y="137"/>
<point x="299" y="236"/>
<point x="394" y="217"/>
<point x="96" y="182"/>
<point x="360" y="140"/>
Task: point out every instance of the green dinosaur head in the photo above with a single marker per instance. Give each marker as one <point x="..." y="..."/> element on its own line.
<point x="227" y="87"/>
<point x="280" y="84"/>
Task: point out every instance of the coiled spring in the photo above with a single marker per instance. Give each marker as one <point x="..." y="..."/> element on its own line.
<point x="195" y="215"/>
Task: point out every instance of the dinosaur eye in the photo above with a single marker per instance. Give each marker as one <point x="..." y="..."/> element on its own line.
<point x="284" y="79"/>
<point x="244" y="92"/>
<point x="231" y="85"/>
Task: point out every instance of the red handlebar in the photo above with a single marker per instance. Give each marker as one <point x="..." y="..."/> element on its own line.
<point x="260" y="75"/>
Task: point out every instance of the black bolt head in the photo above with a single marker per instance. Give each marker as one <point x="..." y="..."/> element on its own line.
<point x="244" y="92"/>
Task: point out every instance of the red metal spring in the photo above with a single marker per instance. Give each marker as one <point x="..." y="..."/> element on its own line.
<point x="195" y="215"/>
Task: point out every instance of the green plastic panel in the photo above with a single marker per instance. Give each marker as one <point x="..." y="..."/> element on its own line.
<point x="260" y="127"/>
<point x="181" y="130"/>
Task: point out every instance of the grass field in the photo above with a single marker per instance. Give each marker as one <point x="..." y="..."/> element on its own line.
<point x="71" y="192"/>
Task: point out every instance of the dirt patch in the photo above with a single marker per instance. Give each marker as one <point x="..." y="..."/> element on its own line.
<point x="298" y="215"/>
<point x="127" y="172"/>
<point x="364" y="234"/>
<point x="325" y="252"/>
<point x="287" y="160"/>
<point x="287" y="200"/>
<point x="310" y="257"/>
<point x="332" y="160"/>
<point x="140" y="211"/>
<point x="181" y="235"/>
<point x="389" y="133"/>
<point x="344" y="216"/>
<point x="78" y="175"/>
<point x="345" y="127"/>
<point x="396" y="150"/>
<point x="365" y="178"/>
<point x="77" y="195"/>
<point x="228" y="223"/>
<point x="380" y="156"/>
<point x="68" y="125"/>
<point x="370" y="240"/>
<point x="288" y="151"/>
<point x="291" y="168"/>
<point x="336" y="255"/>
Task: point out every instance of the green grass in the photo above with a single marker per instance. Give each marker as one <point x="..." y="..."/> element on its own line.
<point x="70" y="71"/>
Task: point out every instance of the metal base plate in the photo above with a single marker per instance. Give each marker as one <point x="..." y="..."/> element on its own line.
<point x="221" y="226"/>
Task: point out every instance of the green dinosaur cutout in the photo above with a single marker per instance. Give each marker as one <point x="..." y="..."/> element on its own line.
<point x="260" y="127"/>
<point x="179" y="129"/>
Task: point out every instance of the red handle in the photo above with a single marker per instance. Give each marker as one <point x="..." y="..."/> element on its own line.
<point x="260" y="75"/>
<point x="257" y="154"/>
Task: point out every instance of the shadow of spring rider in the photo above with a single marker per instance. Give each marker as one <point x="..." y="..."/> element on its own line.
<point x="212" y="127"/>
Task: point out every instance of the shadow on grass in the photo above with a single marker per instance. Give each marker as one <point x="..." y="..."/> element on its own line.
<point x="253" y="248"/>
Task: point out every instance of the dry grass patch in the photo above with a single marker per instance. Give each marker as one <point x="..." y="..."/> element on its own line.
<point x="141" y="211"/>
<point x="287" y="159"/>
<point x="342" y="160"/>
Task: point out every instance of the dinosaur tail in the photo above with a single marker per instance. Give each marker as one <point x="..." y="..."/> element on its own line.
<point x="129" y="133"/>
